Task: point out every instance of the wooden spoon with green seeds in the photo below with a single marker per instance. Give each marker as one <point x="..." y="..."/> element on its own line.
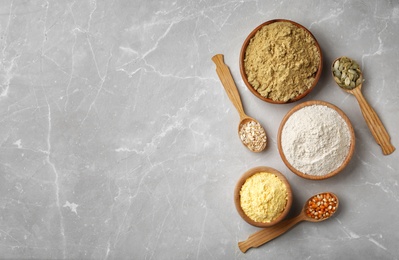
<point x="347" y="74"/>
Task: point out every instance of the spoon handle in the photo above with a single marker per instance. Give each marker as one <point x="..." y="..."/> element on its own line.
<point x="228" y="83"/>
<point x="374" y="123"/>
<point x="267" y="234"/>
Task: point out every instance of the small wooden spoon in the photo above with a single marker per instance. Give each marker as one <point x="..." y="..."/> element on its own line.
<point x="269" y="233"/>
<point x="227" y="80"/>
<point x="374" y="123"/>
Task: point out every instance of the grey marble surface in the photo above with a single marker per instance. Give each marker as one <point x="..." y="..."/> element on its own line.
<point x="117" y="140"/>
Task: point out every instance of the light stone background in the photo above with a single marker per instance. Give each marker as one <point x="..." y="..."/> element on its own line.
<point x="117" y="140"/>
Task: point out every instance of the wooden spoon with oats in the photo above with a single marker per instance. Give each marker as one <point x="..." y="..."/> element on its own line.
<point x="250" y="131"/>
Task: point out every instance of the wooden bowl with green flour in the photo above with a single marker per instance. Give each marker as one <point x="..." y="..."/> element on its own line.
<point x="280" y="61"/>
<point x="316" y="140"/>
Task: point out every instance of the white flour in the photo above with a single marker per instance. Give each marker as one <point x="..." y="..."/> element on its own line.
<point x="315" y="140"/>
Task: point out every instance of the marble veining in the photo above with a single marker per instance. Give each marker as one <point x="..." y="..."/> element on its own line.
<point x="117" y="140"/>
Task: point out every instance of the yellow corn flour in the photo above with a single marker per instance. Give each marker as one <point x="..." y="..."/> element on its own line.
<point x="263" y="197"/>
<point x="281" y="61"/>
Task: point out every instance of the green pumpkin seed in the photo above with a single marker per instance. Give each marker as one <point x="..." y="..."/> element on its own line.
<point x="336" y="65"/>
<point x="347" y="82"/>
<point x="337" y="73"/>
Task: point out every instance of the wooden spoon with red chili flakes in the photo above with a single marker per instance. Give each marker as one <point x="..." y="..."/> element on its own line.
<point x="318" y="208"/>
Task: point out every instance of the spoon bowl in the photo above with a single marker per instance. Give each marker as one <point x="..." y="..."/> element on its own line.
<point x="320" y="207"/>
<point x="374" y="123"/>
<point x="269" y="233"/>
<point x="257" y="142"/>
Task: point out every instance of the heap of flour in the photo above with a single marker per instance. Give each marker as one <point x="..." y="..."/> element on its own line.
<point x="315" y="140"/>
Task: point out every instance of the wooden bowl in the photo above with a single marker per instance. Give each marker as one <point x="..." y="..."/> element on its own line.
<point x="244" y="75"/>
<point x="348" y="156"/>
<point x="241" y="182"/>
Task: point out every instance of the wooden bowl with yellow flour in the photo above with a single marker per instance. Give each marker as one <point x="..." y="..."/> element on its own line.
<point x="316" y="140"/>
<point x="263" y="196"/>
<point x="280" y="61"/>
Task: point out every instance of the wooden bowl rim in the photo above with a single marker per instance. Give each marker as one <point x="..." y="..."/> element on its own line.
<point x="241" y="182"/>
<point x="244" y="75"/>
<point x="351" y="148"/>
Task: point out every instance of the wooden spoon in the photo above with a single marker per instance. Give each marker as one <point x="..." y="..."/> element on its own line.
<point x="269" y="233"/>
<point x="374" y="123"/>
<point x="227" y="80"/>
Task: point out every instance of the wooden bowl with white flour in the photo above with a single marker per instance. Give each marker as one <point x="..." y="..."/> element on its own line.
<point x="316" y="140"/>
